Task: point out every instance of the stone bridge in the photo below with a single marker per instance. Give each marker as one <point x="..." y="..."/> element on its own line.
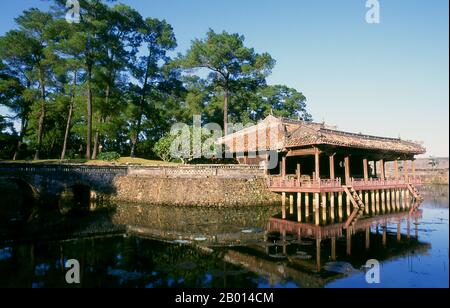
<point x="45" y="194"/>
<point x="48" y="182"/>
<point x="28" y="188"/>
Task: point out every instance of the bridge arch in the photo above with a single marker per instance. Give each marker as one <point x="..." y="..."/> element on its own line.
<point x="18" y="200"/>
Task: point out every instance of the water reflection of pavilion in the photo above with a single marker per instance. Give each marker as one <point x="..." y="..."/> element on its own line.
<point x="313" y="255"/>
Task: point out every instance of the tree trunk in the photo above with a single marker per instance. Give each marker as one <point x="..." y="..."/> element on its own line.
<point x="40" y="131"/>
<point x="96" y="141"/>
<point x="69" y="117"/>
<point x="102" y="120"/>
<point x="23" y="128"/>
<point x="135" y="138"/>
<point x="52" y="146"/>
<point x="17" y="151"/>
<point x="133" y="147"/>
<point x="89" y="113"/>
<point x="225" y="112"/>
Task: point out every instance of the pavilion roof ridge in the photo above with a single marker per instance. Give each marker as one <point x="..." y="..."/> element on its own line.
<point x="360" y="135"/>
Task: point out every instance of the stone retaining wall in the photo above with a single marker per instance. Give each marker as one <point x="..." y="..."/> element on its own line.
<point x="197" y="171"/>
<point x="191" y="185"/>
<point x="213" y="191"/>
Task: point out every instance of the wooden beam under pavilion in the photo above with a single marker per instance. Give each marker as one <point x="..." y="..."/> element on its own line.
<point x="303" y="152"/>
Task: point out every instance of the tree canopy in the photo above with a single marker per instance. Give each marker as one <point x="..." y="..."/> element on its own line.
<point x="111" y="83"/>
<point x="232" y="66"/>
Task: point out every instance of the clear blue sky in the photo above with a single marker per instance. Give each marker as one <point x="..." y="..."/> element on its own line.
<point x="387" y="79"/>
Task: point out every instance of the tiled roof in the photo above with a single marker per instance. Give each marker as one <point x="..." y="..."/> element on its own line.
<point x="305" y="135"/>
<point x="287" y="134"/>
<point x="269" y="134"/>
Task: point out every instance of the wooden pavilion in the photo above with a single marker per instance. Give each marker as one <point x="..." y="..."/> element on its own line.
<point x="324" y="165"/>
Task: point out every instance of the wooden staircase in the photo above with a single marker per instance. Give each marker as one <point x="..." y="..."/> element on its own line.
<point x="415" y="192"/>
<point x="417" y="196"/>
<point x="358" y="205"/>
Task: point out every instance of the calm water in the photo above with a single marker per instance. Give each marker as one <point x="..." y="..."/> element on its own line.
<point x="174" y="247"/>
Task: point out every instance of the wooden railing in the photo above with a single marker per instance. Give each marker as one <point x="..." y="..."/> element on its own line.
<point x="415" y="181"/>
<point x="361" y="183"/>
<point x="292" y="183"/>
<point x="279" y="182"/>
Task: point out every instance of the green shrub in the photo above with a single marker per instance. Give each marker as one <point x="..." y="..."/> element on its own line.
<point x="109" y="156"/>
<point x="163" y="148"/>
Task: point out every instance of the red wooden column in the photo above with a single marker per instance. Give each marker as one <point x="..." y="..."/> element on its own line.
<point x="347" y="169"/>
<point x="283" y="167"/>
<point x="299" y="171"/>
<point x="406" y="169"/>
<point x="366" y="169"/>
<point x="397" y="175"/>
<point x="332" y="173"/>
<point x="413" y="165"/>
<point x="317" y="163"/>
<point x="382" y="169"/>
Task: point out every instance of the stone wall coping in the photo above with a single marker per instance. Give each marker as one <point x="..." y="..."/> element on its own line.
<point x="235" y="167"/>
<point x="128" y="170"/>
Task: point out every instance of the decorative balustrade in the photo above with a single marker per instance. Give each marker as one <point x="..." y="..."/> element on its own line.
<point x="358" y="184"/>
<point x="194" y="171"/>
<point x="280" y="183"/>
<point x="60" y="169"/>
<point x="415" y="181"/>
<point x="227" y="171"/>
<point x="361" y="183"/>
<point x="198" y="171"/>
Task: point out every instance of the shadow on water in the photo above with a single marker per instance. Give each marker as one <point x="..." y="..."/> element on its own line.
<point x="164" y="246"/>
<point x="25" y="216"/>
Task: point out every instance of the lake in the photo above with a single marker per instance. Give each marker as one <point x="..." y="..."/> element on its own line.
<point x="158" y="247"/>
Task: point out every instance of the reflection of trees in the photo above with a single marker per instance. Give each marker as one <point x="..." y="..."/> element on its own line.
<point x="138" y="262"/>
<point x="121" y="262"/>
<point x="217" y="224"/>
